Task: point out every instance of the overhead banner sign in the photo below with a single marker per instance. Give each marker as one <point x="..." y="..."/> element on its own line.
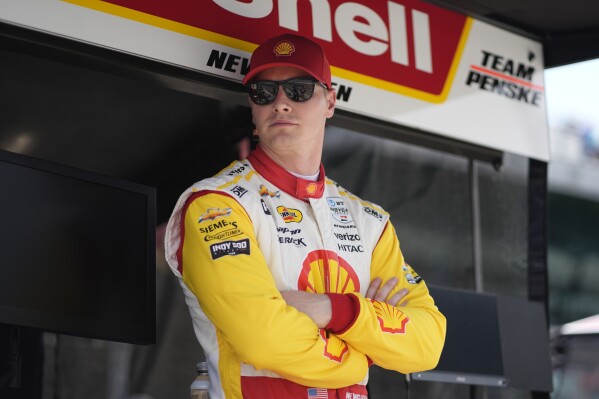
<point x="403" y="61"/>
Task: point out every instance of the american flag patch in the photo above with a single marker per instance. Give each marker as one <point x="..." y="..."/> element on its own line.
<point x="317" y="393"/>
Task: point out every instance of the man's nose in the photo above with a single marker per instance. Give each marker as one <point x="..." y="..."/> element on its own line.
<point x="282" y="103"/>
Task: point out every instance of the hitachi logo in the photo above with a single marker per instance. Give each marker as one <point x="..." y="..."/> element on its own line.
<point x="350" y="248"/>
<point x="360" y="27"/>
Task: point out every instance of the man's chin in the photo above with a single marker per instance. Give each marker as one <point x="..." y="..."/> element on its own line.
<point x="282" y="146"/>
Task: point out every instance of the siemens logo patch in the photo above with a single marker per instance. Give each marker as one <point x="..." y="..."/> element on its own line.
<point x="223" y="235"/>
<point x="230" y="248"/>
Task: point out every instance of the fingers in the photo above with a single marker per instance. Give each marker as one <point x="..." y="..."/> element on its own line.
<point x="373" y="288"/>
<point x="386" y="289"/>
<point x="380" y="293"/>
<point x="398" y="296"/>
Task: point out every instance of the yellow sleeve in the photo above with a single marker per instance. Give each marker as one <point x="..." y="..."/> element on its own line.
<point x="226" y="270"/>
<point x="405" y="338"/>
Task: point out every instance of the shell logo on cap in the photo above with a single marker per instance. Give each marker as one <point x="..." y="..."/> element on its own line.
<point x="283" y="49"/>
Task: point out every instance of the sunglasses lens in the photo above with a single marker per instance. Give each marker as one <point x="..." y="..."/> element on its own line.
<point x="299" y="91"/>
<point x="263" y="93"/>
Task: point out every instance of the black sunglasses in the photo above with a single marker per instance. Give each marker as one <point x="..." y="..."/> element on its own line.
<point x="263" y="92"/>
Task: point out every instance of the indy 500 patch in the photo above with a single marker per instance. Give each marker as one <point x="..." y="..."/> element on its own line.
<point x="231" y="248"/>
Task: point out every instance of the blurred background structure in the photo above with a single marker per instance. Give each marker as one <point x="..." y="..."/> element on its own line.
<point x="573" y="222"/>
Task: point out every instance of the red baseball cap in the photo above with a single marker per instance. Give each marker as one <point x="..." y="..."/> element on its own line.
<point x="290" y="50"/>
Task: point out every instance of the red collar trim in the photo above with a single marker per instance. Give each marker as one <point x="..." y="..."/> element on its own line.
<point x="294" y="186"/>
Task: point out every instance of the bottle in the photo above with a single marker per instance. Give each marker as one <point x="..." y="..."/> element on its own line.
<point x="200" y="386"/>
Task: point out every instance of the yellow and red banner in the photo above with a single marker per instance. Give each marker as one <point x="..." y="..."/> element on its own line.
<point x="399" y="38"/>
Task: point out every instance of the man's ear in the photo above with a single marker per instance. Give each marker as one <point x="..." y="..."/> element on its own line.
<point x="253" y="120"/>
<point x="331" y="101"/>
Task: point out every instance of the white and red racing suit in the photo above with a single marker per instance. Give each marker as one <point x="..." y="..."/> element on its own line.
<point x="238" y="239"/>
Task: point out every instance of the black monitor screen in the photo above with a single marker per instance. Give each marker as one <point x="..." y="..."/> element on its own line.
<point x="472" y="353"/>
<point x="77" y="251"/>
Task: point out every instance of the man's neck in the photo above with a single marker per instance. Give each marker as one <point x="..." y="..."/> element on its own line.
<point x="302" y="162"/>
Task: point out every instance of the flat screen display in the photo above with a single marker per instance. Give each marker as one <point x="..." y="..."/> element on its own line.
<point x="492" y="340"/>
<point x="472" y="353"/>
<point x="77" y="251"/>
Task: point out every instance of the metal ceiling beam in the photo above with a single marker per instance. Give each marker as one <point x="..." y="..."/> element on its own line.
<point x="571" y="47"/>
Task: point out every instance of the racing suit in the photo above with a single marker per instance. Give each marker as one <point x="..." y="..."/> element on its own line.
<point x="240" y="238"/>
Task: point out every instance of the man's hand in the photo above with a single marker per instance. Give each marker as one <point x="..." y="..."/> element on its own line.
<point x="378" y="293"/>
<point x="316" y="306"/>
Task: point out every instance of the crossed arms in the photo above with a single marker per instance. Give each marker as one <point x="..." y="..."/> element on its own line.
<point x="318" y="306"/>
<point x="285" y="332"/>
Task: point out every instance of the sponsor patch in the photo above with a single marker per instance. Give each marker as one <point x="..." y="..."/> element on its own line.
<point x="214" y="213"/>
<point x="217" y="226"/>
<point x="296" y="238"/>
<point x="411" y="276"/>
<point x="223" y="235"/>
<point x="350" y="248"/>
<point x="347" y="237"/>
<point x="311" y="188"/>
<point x="342" y="226"/>
<point x="290" y="215"/>
<point x="297" y="241"/>
<point x="230" y="248"/>
<point x="264" y="192"/>
<point x="342" y="278"/>
<point x="265" y="207"/>
<point x="286" y="230"/>
<point x="334" y="349"/>
<point x="339" y="212"/>
<point x="391" y="319"/>
<point x="236" y="171"/>
<point x="373" y="212"/>
<point x="239" y="191"/>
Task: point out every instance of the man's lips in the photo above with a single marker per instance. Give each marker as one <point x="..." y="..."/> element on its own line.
<point x="282" y="122"/>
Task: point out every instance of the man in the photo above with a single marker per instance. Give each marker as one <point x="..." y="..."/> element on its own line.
<point x="282" y="268"/>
